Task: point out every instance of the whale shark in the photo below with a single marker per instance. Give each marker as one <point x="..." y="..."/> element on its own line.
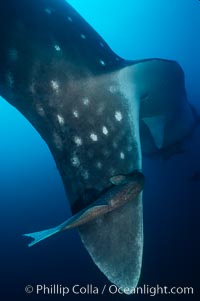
<point x="98" y="113"/>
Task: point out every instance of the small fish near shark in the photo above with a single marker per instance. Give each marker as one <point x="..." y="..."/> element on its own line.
<point x="98" y="113"/>
<point x="127" y="188"/>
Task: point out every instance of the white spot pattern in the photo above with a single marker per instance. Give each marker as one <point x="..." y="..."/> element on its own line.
<point x="60" y="119"/>
<point x="75" y="161"/>
<point x="40" y="110"/>
<point x="86" y="101"/>
<point x="83" y="36"/>
<point x="75" y="113"/>
<point x="105" y="130"/>
<point x="102" y="62"/>
<point x="94" y="137"/>
<point x="99" y="165"/>
<point x="57" y="47"/>
<point x="118" y="116"/>
<point x="55" y="85"/>
<point x="113" y="89"/>
<point x="122" y="155"/>
<point x="69" y="19"/>
<point x="78" y="141"/>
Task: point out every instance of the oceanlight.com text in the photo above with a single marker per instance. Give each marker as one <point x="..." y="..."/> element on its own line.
<point x="90" y="289"/>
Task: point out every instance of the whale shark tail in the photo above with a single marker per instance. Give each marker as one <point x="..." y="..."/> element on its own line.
<point x="115" y="244"/>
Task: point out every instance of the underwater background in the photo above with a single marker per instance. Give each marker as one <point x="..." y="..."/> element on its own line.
<point x="32" y="196"/>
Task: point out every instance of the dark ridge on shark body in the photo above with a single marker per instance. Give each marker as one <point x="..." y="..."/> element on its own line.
<point x="95" y="111"/>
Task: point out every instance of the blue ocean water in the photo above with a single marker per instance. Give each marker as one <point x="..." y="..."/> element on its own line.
<point x="31" y="192"/>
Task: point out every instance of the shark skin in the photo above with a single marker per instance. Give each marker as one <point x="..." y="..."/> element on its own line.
<point x="92" y="108"/>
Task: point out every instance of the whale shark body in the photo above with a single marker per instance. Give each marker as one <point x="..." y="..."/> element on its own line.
<point x="98" y="114"/>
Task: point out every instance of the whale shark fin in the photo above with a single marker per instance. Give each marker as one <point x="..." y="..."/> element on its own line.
<point x="102" y="237"/>
<point x="156" y="126"/>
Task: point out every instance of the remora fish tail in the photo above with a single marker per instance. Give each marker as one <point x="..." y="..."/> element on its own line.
<point x="112" y="199"/>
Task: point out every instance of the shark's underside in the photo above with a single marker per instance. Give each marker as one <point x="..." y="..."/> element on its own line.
<point x="97" y="113"/>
